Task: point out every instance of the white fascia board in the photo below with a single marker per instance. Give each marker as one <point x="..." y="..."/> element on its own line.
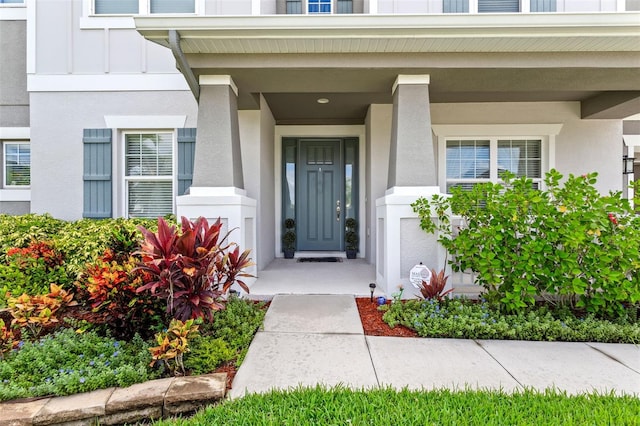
<point x="15" y="133"/>
<point x="105" y="82"/>
<point x="344" y="24"/>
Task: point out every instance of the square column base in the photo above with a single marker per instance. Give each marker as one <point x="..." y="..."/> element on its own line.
<point x="402" y="244"/>
<point x="236" y="211"/>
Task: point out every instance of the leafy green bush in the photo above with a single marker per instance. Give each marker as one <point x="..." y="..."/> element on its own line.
<point x="19" y="231"/>
<point x="567" y="244"/>
<point x="206" y="353"/>
<point x="68" y="362"/>
<point x="237" y="324"/>
<point x="465" y="319"/>
<point x="31" y="270"/>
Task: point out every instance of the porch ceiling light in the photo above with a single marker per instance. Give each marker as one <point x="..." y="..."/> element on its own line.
<point x="627" y="164"/>
<point x="323" y="101"/>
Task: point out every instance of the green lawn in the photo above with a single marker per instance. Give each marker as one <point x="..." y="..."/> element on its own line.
<point x="340" y="406"/>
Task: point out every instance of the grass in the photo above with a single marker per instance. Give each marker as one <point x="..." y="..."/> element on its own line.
<point x="340" y="406"/>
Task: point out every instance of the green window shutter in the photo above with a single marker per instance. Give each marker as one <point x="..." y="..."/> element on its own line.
<point x="543" y="5"/>
<point x="186" y="155"/>
<point x="345" y="6"/>
<point x="294" y="7"/>
<point x="97" y="173"/>
<point x="455" y="6"/>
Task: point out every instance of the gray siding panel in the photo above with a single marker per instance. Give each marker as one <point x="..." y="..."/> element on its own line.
<point x="14" y="98"/>
<point x="97" y="173"/>
<point x="455" y="6"/>
<point x="186" y="155"/>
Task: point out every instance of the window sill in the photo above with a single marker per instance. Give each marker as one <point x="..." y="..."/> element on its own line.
<point x="15" y="194"/>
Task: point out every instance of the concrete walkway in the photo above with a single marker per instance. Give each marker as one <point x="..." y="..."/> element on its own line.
<point x="318" y="339"/>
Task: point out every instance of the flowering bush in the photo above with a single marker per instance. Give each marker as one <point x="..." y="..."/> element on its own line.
<point x="567" y="244"/>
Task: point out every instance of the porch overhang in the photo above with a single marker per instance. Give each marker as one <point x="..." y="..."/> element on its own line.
<point x="293" y="60"/>
<point x="398" y="33"/>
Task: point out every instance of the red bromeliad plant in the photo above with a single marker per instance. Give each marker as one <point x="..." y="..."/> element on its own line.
<point x="192" y="269"/>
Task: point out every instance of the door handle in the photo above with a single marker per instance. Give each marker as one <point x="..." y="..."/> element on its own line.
<point x="338" y="210"/>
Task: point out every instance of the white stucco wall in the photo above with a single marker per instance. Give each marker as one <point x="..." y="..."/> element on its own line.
<point x="58" y="120"/>
<point x="267" y="204"/>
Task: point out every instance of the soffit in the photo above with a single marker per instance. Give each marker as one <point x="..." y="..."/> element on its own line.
<point x="559" y="32"/>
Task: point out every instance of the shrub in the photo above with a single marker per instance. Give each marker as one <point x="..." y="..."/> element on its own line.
<point x="206" y="354"/>
<point x="7" y="339"/>
<point x="435" y="288"/>
<point x="567" y="244"/>
<point x="463" y="319"/>
<point x="34" y="313"/>
<point x="173" y="344"/>
<point x="191" y="270"/>
<point x="31" y="270"/>
<point x="68" y="362"/>
<point x="109" y="285"/>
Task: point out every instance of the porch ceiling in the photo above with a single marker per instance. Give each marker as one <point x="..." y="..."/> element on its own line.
<point x="354" y="60"/>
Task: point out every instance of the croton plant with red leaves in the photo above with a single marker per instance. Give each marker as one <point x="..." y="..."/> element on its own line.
<point x="192" y="269"/>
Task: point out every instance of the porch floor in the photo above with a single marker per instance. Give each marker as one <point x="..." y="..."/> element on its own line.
<point x="288" y="276"/>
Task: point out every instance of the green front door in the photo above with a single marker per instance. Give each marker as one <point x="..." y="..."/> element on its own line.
<point x="320" y="205"/>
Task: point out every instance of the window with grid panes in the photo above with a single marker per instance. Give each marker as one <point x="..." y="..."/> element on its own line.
<point x="472" y="161"/>
<point x="17" y="164"/>
<point x="319" y="6"/>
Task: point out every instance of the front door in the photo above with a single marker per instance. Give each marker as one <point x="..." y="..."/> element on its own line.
<point x="321" y="202"/>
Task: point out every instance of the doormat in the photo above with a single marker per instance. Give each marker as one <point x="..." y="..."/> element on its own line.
<point x="319" y="259"/>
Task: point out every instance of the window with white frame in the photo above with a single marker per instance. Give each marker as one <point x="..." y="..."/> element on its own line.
<point x="149" y="177"/>
<point x="17" y="164"/>
<point x="470" y="161"/>
<point x="12" y="1"/>
<point x="134" y="7"/>
<point x="319" y="6"/>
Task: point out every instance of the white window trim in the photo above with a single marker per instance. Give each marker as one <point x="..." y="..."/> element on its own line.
<point x="6" y="185"/>
<point x="13" y="11"/>
<point x="121" y="185"/>
<point x="544" y="132"/>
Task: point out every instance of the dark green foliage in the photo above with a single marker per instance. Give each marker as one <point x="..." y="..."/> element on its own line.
<point x="206" y="353"/>
<point x="340" y="406"/>
<point x="567" y="244"/>
<point x="351" y="234"/>
<point x="68" y="362"/>
<point x="464" y="319"/>
<point x="237" y="324"/>
<point x="289" y="235"/>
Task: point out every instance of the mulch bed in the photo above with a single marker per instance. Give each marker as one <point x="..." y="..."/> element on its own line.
<point x="373" y="324"/>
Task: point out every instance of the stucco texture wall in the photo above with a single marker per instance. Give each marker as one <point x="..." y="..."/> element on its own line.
<point x="14" y="99"/>
<point x="56" y="139"/>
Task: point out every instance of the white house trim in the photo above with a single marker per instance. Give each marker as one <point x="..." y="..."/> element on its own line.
<point x="631" y="140"/>
<point x="218" y="80"/>
<point x="145" y="121"/>
<point x="15" y="195"/>
<point x="15" y="133"/>
<point x="13" y="12"/>
<point x="106" y="82"/>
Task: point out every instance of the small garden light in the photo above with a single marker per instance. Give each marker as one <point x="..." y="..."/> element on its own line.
<point x="372" y="287"/>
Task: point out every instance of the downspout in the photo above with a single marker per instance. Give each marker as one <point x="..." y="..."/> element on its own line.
<point x="183" y="66"/>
